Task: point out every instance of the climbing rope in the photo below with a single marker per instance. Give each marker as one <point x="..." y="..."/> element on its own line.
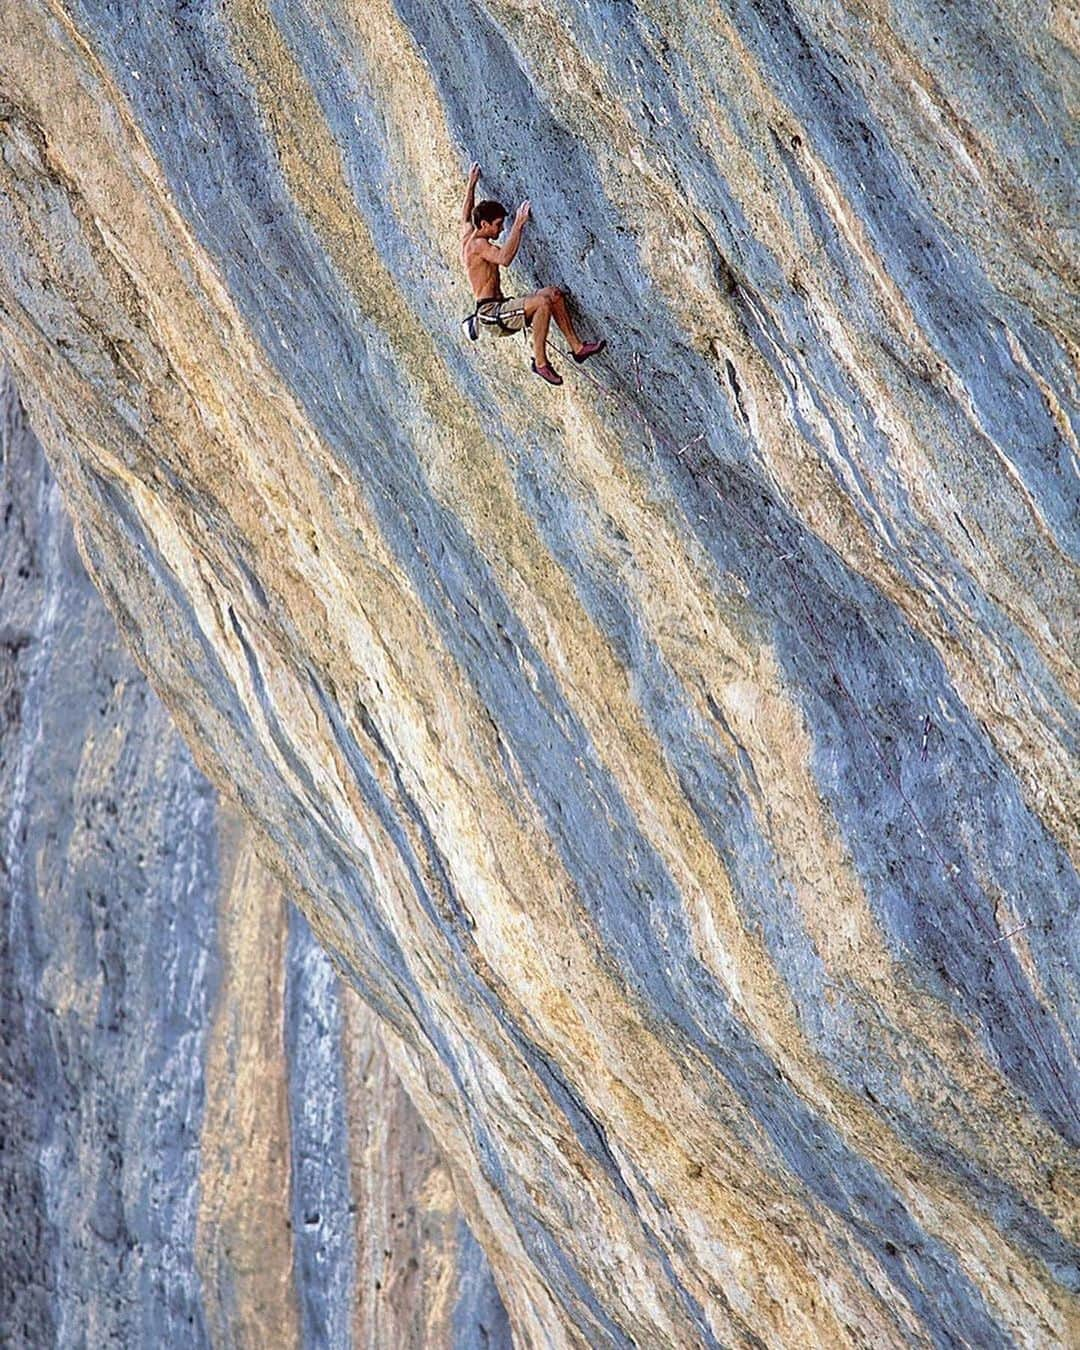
<point x="891" y="770"/>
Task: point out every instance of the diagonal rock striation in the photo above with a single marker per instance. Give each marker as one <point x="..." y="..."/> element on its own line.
<point x="203" y="1142"/>
<point x="682" y="763"/>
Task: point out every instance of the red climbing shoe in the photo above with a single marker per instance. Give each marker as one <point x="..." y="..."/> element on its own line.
<point x="547" y="373"/>
<point x="589" y="349"/>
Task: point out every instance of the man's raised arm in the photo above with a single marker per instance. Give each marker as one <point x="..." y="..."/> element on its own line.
<point x="508" y="251"/>
<point x="470" y="196"/>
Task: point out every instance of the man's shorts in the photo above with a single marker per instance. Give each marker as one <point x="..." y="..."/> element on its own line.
<point x="502" y="318"/>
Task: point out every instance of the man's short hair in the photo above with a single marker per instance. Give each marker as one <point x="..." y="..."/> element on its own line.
<point x="487" y="211"/>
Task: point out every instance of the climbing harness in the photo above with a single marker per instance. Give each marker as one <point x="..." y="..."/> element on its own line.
<point x="495" y="318"/>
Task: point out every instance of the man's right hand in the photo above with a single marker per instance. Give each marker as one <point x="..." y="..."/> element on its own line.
<point x="523" y="211"/>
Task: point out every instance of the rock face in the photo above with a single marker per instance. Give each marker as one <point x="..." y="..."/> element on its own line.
<point x="681" y="763"/>
<point x="202" y="1141"/>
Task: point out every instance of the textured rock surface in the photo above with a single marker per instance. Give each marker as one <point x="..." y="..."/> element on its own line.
<point x="589" y="725"/>
<point x="201" y="1142"/>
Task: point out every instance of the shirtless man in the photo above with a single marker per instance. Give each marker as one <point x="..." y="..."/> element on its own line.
<point x="480" y="227"/>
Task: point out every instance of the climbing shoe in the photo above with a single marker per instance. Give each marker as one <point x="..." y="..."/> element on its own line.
<point x="547" y="373"/>
<point x="589" y="349"/>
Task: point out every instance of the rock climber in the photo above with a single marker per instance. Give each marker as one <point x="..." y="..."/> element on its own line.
<point x="482" y="257"/>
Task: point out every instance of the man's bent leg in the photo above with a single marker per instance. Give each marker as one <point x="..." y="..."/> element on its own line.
<point x="562" y="317"/>
<point x="539" y="309"/>
<point x="538" y="313"/>
<point x="581" y="350"/>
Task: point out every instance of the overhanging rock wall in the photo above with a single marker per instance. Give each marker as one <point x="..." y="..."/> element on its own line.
<point x="682" y="762"/>
<point x="202" y="1142"/>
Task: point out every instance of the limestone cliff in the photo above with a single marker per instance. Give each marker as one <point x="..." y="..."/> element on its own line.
<point x="681" y="763"/>
<point x="202" y="1142"/>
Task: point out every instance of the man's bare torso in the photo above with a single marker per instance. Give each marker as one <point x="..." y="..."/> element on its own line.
<point x="483" y="275"/>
